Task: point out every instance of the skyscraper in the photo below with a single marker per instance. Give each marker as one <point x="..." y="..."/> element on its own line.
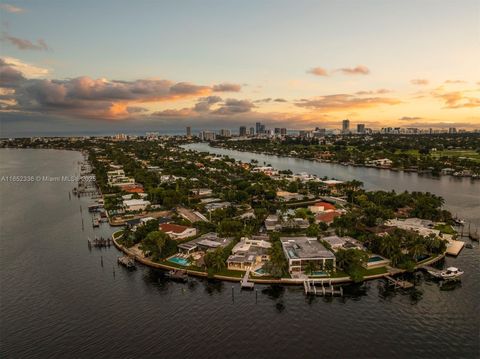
<point x="243" y="131"/>
<point x="225" y="132"/>
<point x="257" y="127"/>
<point x="252" y="131"/>
<point x="346" y="126"/>
<point x="361" y="128"/>
<point x="189" y="131"/>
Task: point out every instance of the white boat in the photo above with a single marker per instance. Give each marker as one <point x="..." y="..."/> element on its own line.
<point x="451" y="273"/>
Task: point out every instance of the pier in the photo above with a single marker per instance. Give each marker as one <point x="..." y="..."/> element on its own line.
<point x="326" y="288"/>
<point x="454" y="247"/>
<point x="244" y="283"/>
<point x="397" y="283"/>
<point x="127" y="262"/>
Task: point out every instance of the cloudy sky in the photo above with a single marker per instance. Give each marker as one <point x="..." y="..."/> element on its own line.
<point x="92" y="66"/>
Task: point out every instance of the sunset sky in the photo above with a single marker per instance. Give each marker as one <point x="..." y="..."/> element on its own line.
<point x="112" y="66"/>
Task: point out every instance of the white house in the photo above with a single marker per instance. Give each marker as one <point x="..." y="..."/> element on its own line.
<point x="135" y="204"/>
<point x="384" y="162"/>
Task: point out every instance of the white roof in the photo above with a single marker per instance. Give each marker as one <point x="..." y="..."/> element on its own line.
<point x="135" y="202"/>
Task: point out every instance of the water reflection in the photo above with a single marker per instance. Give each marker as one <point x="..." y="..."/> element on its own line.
<point x="213" y="286"/>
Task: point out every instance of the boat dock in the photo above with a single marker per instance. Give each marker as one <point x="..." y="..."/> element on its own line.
<point x="397" y="283"/>
<point x="244" y="283"/>
<point x="326" y="288"/>
<point x="454" y="247"/>
<point x="127" y="262"/>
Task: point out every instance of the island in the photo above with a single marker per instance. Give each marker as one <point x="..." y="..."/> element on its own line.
<point x="212" y="216"/>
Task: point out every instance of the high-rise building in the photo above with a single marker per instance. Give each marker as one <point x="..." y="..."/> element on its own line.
<point x="189" y="131"/>
<point x="361" y="128"/>
<point x="225" y="132"/>
<point x="151" y="136"/>
<point x="243" y="131"/>
<point x="346" y="126"/>
<point x="207" y="136"/>
<point x="283" y="131"/>
<point x="277" y="130"/>
<point x="252" y="131"/>
<point x="257" y="127"/>
<point x="452" y="130"/>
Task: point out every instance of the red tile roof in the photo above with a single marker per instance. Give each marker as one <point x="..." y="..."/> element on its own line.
<point x="327" y="217"/>
<point x="325" y="205"/>
<point x="170" y="227"/>
<point x="134" y="189"/>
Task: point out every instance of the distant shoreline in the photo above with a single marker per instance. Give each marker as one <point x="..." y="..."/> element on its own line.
<point x="406" y="170"/>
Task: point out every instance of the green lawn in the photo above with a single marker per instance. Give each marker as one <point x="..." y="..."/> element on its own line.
<point x="471" y="154"/>
<point x="445" y="228"/>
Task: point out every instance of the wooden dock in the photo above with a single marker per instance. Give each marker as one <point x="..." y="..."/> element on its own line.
<point x="397" y="283"/>
<point x="326" y="288"/>
<point x="244" y="283"/>
<point x="454" y="247"/>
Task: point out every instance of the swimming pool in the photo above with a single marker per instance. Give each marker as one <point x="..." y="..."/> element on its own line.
<point x="260" y="271"/>
<point x="178" y="260"/>
<point x="319" y="273"/>
<point x="375" y="259"/>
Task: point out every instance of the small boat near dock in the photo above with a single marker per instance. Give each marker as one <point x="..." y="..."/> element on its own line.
<point x="451" y="273"/>
<point x="127" y="262"/>
<point x="177" y="274"/>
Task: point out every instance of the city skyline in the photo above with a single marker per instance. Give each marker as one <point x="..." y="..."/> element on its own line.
<point x="286" y="64"/>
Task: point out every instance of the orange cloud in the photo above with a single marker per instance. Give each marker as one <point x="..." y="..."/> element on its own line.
<point x="318" y="71"/>
<point x="343" y="102"/>
<point x="419" y="82"/>
<point x="457" y="99"/>
<point x="358" y="70"/>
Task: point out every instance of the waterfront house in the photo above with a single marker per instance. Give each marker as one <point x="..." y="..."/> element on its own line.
<point x="382" y="162"/>
<point x="135" y="205"/>
<point x="176" y="231"/>
<point x="249" y="254"/>
<point x="303" y="252"/>
<point x="206" y="242"/>
<point x="421" y="226"/>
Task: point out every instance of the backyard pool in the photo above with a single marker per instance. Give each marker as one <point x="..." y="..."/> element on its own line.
<point x="179" y="260"/>
<point x="260" y="271"/>
<point x="319" y="273"/>
<point x="375" y="259"/>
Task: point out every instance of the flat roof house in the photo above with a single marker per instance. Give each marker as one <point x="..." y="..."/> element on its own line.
<point x="206" y="242"/>
<point x="272" y="223"/>
<point x="249" y="254"/>
<point x="300" y="251"/>
<point x="337" y="242"/>
<point x="135" y="204"/>
<point x="176" y="231"/>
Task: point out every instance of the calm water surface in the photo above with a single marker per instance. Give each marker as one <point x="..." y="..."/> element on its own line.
<point x="57" y="301"/>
